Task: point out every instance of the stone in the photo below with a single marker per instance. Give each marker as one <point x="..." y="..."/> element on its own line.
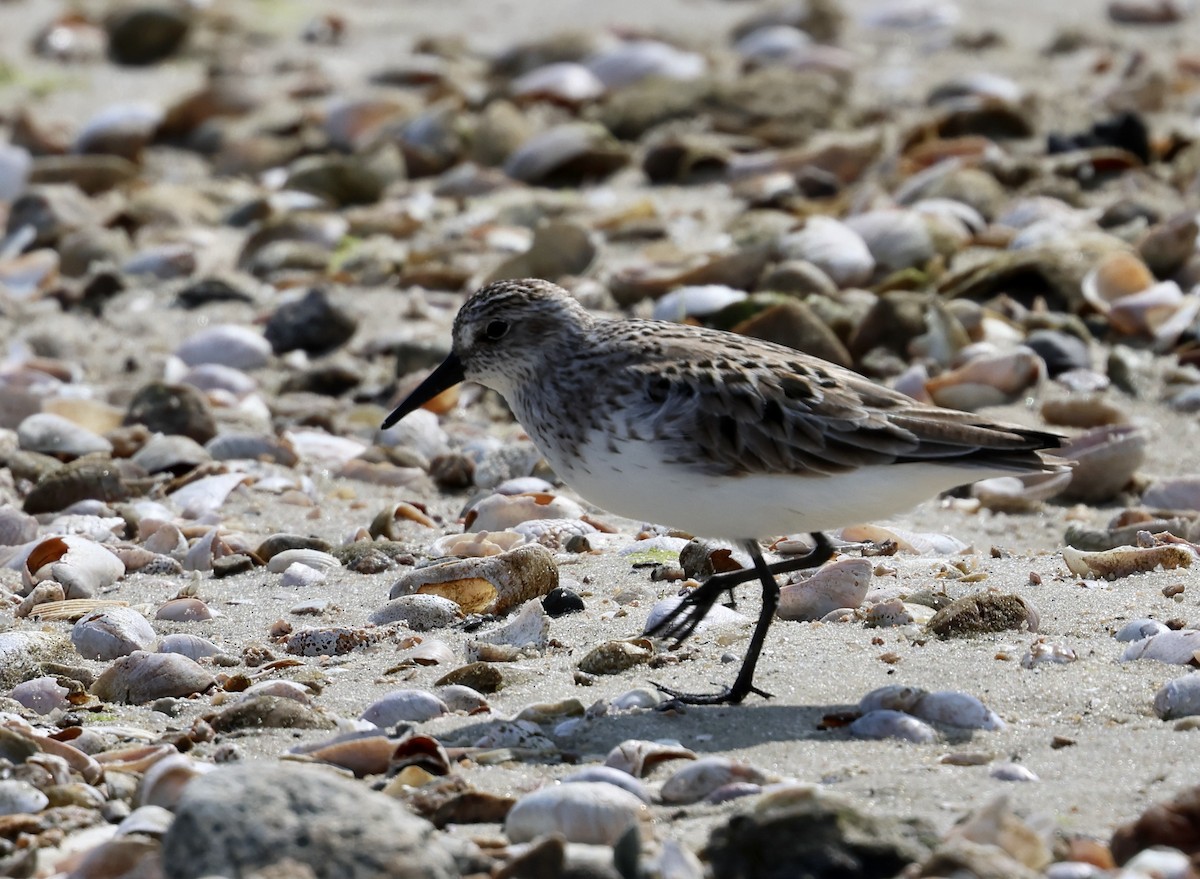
<point x="246" y="817"/>
<point x="313" y="324"/>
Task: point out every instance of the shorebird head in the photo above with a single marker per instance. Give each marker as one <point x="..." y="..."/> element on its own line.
<point x="505" y="335"/>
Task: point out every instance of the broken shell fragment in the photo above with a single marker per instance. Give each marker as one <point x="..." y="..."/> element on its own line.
<point x="843" y="583"/>
<point x="639" y="757"/>
<point x="1126" y="560"/>
<point x="494" y="585"/>
<point x="1172" y="647"/>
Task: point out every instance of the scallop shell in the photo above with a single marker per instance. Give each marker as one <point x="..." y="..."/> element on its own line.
<point x="700" y="778"/>
<point x="842" y="583"/>
<point x="1126" y="560"/>
<point x="639" y="757"/>
<point x="588" y="811"/>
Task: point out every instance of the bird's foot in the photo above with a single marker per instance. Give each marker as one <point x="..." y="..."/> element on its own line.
<point x="725" y="696"/>
<point x="687" y="616"/>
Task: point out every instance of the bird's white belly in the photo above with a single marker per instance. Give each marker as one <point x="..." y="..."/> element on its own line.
<point x="637" y="484"/>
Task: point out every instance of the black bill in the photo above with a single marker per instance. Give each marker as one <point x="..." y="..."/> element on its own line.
<point x="446" y="376"/>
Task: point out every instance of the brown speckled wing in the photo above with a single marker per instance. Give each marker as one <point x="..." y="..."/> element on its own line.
<point x="730" y="407"/>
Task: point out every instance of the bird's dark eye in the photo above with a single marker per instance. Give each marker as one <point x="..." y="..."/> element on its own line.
<point x="495" y="330"/>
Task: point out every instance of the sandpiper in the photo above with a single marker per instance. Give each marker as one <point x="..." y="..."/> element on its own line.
<point x="714" y="433"/>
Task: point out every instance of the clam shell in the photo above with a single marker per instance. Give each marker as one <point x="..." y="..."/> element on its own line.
<point x="1174" y="647"/>
<point x="566" y="153"/>
<point x="529" y="627"/>
<point x="955" y="709"/>
<point x="896" y="238"/>
<point x="614" y="657"/>
<point x="301" y="576"/>
<point x="143" y="677"/>
<point x="608" y="775"/>
<point x="473" y="545"/>
<point x="312" y="558"/>
<point x="1179" y="697"/>
<point x="192" y="646"/>
<point x="251" y="446"/>
<point x="989" y="380"/>
<point x="82" y="566"/>
<point x="843" y="583"/>
<point x="887" y="724"/>
<point x="55" y="435"/>
<point x="1105" y="461"/>
<point x="184" y="610"/>
<point x="698" y="779"/>
<point x="399" y="706"/>
<point x="172" y="453"/>
<point x="833" y="247"/>
<point x="112" y="632"/>
<point x="894" y="697"/>
<point x="488" y="585"/>
<point x="1114" y="276"/>
<point x="1137" y="630"/>
<point x="588" y="811"/>
<point x="229" y="345"/>
<point x="41" y="695"/>
<point x="563" y="81"/>
<point x="639" y="757"/>
<point x="461" y="698"/>
<point x="203" y="496"/>
<point x="210" y="377"/>
<point x="16" y="527"/>
<point x="22" y="798"/>
<point x="165" y="779"/>
<point x="1179" y="493"/>
<point x="497" y="512"/>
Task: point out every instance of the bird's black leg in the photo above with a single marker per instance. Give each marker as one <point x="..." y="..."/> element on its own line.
<point x="684" y="619"/>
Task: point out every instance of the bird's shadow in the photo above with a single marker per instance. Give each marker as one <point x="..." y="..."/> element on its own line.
<point x="706" y="729"/>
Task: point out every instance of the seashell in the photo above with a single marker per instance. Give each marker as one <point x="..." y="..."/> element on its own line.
<point x="192" y="646"/>
<point x="41" y="695"/>
<point x="489" y="585"/>
<point x="897" y="239"/>
<point x="1083" y="410"/>
<point x="695" y="301"/>
<point x="639" y="757"/>
<point x="1042" y="652"/>
<point x="143" y="677"/>
<point x="1161" y="312"/>
<point x="842" y="583"/>
<point x="472" y="545"/>
<point x="460" y="698"/>
<point x="72" y="610"/>
<point x="1178" y="697"/>
<point x="521" y="734"/>
<point x="566" y="154"/>
<point x="1105" y="461"/>
<point x="608" y="775"/>
<point x="46" y="592"/>
<point x="698" y="779"/>
<point x="529" y="627"/>
<point x="133" y="758"/>
<point x="894" y="697"/>
<point x="1136" y="630"/>
<point x="165" y="779"/>
<point x="1012" y="494"/>
<point x="16" y="528"/>
<point x="162" y="538"/>
<point x="400" y="706"/>
<point x="831" y="246"/>
<point x="564" y="82"/>
<point x="363" y="753"/>
<point x="229" y="345"/>
<point x="989" y="380"/>
<point x="251" y="446"/>
<point x="283" y="689"/>
<point x="955" y="709"/>
<point x="481" y="676"/>
<point x="423" y="752"/>
<point x="324" y="449"/>
<point x="544" y="713"/>
<point x="1178" y="493"/>
<point x="210" y="377"/>
<point x="588" y="811"/>
<point x="614" y="657"/>
<point x="635" y="60"/>
<point x="54" y="435"/>
<point x="497" y="512"/>
<point x="112" y="632"/>
<point x="717" y="615"/>
<point x="170" y="453"/>
<point x="420" y="613"/>
<point x="772" y="43"/>
<point x="1126" y="560"/>
<point x="1012" y="772"/>
<point x="312" y="558"/>
<point x="329" y="640"/>
<point x="1115" y="276"/>
<point x="887" y="724"/>
<point x="1173" y="647"/>
<point x="22" y="798"/>
<point x="184" y="610"/>
<point x="151" y="821"/>
<point x="300" y="576"/>
<point x="922" y="543"/>
<point x="204" y="496"/>
<point x="80" y="565"/>
<point x="83" y="765"/>
<point x="632" y="700"/>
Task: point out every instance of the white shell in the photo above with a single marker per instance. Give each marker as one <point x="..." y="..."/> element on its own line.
<point x="1174" y="647"/>
<point x="401" y="706"/>
<point x="55" y="435"/>
<point x="897" y="238"/>
<point x="313" y="558"/>
<point x="166" y="778"/>
<point x="1136" y="630"/>
<point x="698" y="779"/>
<point x="283" y="689"/>
<point x="216" y="377"/>
<point x="563" y="80"/>
<point x="529" y="627"/>
<point x="191" y="646"/>
<point x="112" y="632"/>
<point x="842" y="583"/>
<point x="41" y="695"/>
<point x="988" y="380"/>
<point x="497" y="512"/>
<point x="1012" y="772"/>
<point x="206" y="495"/>
<point x="184" y="610"/>
<point x="83" y="569"/>
<point x="1179" y="697"/>
<point x="230" y="345"/>
<point x="419" y="612"/>
<point x="608" y="775"/>
<point x="894" y="697"/>
<point x="299" y="575"/>
<point x="462" y="698"/>
<point x="885" y="724"/>
<point x="143" y="677"/>
<point x="587" y="811"/>
<point x="717" y="615"/>
<point x="20" y="798"/>
<point x="638" y="757"/>
<point x="956" y="709"/>
<point x="635" y="60"/>
<point x="833" y="247"/>
<point x="695" y="301"/>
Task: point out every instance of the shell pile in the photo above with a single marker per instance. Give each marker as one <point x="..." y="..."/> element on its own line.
<point x="234" y="237"/>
